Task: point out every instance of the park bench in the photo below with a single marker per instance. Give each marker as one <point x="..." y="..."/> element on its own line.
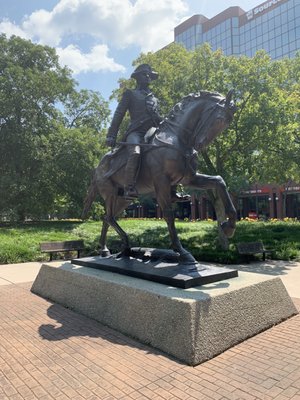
<point x="62" y="247"/>
<point x="251" y="248"/>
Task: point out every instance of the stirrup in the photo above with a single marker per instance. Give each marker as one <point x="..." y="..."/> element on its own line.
<point x="180" y="198"/>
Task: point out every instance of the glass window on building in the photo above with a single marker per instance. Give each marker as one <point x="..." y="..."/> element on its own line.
<point x="278" y="52"/>
<point x="259" y="31"/>
<point x="271" y="24"/>
<point x="267" y="46"/>
<point x="292" y="35"/>
<point x="255" y="206"/>
<point x="235" y="22"/>
<point x="292" y="205"/>
<point x="259" y="42"/>
<point x="285" y="50"/>
<point x="283" y="7"/>
<point x="284" y="18"/>
<point x="281" y="22"/>
<point x="285" y="39"/>
<point x="278" y="42"/>
<point x="264" y="18"/>
<point x="277" y="11"/>
<point x="272" y="44"/>
<point x="277" y="31"/>
<point x="292" y="46"/>
<point x="271" y="14"/>
<point x="284" y="28"/>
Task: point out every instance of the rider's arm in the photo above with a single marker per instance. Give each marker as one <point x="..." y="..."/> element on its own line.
<point x="118" y="118"/>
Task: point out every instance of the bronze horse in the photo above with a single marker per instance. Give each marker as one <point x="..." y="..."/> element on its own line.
<point x="168" y="158"/>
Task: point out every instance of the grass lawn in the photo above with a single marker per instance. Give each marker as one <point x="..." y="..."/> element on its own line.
<point x="20" y="243"/>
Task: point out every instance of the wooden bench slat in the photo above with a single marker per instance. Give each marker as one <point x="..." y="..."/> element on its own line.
<point x="67" y="245"/>
<point x="56" y="247"/>
<point x="250" y="248"/>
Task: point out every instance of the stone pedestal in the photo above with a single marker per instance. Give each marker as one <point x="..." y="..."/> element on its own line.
<point x="192" y="325"/>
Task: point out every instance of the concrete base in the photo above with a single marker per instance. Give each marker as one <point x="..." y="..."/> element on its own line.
<point x="193" y="325"/>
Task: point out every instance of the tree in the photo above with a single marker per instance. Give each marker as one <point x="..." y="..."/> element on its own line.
<point x="86" y="109"/>
<point x="41" y="146"/>
<point x="31" y="82"/>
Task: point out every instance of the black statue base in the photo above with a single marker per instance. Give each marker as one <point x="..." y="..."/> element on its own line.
<point x="158" y="266"/>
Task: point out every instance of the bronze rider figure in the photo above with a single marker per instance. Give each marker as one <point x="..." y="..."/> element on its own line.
<point x="142" y="106"/>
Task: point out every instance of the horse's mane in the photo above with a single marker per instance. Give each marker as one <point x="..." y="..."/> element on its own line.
<point x="180" y="107"/>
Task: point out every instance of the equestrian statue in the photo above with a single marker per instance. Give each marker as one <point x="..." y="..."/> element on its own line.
<point x="156" y="154"/>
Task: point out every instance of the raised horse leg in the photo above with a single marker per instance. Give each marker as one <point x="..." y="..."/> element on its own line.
<point x="200" y="181"/>
<point x="163" y="196"/>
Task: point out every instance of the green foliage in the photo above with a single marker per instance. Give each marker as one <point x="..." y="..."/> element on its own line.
<point x="86" y="109"/>
<point x="49" y="133"/>
<point x="20" y="243"/>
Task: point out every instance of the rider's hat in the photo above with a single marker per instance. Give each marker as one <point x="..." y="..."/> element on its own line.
<point x="145" y="68"/>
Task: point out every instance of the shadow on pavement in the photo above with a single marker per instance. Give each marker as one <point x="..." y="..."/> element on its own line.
<point x="68" y="323"/>
<point x="268" y="267"/>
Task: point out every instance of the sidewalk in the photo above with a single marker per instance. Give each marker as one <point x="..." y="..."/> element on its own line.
<point x="49" y="352"/>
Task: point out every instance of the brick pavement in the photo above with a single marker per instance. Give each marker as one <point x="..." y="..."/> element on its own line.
<point x="49" y="352"/>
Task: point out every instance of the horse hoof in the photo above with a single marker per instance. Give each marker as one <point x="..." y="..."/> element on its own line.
<point x="105" y="253"/>
<point x="124" y="253"/>
<point x="228" y="229"/>
<point x="187" y="259"/>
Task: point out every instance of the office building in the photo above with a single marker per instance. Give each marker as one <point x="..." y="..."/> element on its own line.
<point x="273" y="26"/>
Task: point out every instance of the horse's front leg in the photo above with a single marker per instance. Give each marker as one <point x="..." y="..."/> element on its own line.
<point x="114" y="205"/>
<point x="200" y="181"/>
<point x="104" y="252"/>
<point x="163" y="196"/>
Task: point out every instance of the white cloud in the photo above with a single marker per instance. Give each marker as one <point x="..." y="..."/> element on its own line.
<point x="147" y="24"/>
<point x="10" y="29"/>
<point x="96" y="60"/>
<point x="39" y="25"/>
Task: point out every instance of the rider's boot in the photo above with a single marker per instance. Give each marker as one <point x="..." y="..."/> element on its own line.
<point x="131" y="171"/>
<point x="178" y="197"/>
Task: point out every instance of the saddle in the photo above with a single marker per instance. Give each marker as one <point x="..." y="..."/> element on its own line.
<point x="116" y="159"/>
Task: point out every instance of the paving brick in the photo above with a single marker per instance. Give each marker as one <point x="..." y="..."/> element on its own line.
<point x="49" y="352"/>
<point x="290" y="392"/>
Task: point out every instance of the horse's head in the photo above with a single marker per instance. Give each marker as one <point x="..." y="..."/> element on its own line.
<point x="213" y="120"/>
<point x="200" y="117"/>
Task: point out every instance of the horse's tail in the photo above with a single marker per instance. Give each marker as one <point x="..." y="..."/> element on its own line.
<point x="90" y="197"/>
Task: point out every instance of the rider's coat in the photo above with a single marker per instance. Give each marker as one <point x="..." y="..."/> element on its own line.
<point x="143" y="109"/>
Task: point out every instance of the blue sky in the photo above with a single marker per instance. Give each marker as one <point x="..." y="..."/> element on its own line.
<point x="99" y="39"/>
